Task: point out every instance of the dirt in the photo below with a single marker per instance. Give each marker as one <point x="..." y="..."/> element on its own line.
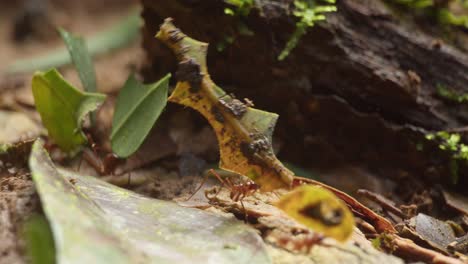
<point x="18" y="198"/>
<point x="18" y="201"/>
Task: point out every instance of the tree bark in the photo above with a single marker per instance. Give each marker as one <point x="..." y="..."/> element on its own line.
<point x="359" y="88"/>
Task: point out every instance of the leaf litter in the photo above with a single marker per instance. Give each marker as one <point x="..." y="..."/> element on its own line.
<point x="239" y="211"/>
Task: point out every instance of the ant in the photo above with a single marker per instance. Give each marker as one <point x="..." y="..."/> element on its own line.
<point x="107" y="166"/>
<point x="237" y="191"/>
<point x="300" y="244"/>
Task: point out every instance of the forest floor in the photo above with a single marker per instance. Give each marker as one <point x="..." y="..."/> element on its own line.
<point x="171" y="173"/>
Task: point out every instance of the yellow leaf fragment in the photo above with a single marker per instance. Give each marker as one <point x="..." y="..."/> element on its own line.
<point x="320" y="210"/>
<point x="243" y="133"/>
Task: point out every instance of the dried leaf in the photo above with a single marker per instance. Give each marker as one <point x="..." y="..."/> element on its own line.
<point x="320" y="210"/>
<point x="95" y="222"/>
<point x="137" y="109"/>
<point x="456" y="201"/>
<point x="437" y="233"/>
<point x="243" y="133"/>
<point x="17" y="126"/>
<point x="62" y="108"/>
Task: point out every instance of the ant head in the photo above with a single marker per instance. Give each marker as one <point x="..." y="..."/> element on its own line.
<point x="252" y="185"/>
<point x="297" y="183"/>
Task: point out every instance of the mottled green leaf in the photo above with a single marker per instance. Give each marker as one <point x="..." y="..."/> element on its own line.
<point x="62" y="108"/>
<point x="81" y="59"/>
<point x="96" y="222"/>
<point x="137" y="109"/>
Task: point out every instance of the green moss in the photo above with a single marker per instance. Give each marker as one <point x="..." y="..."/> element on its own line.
<point x="308" y="12"/>
<point x="383" y="242"/>
<point x="450" y="94"/>
<point x="451" y="142"/>
<point x="240" y="7"/>
<point x="439" y="11"/>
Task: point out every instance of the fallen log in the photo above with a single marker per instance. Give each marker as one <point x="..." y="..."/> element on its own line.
<point x="360" y="88"/>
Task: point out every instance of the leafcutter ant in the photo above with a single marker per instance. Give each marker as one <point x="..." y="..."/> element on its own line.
<point x="237" y="191"/>
<point x="303" y="243"/>
<point x="91" y="155"/>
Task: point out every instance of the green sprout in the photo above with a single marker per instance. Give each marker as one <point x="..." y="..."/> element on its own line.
<point x="308" y="12"/>
<point x="241" y="7"/>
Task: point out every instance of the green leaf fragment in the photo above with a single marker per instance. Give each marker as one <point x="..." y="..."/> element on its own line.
<point x="137" y="109"/>
<point x="96" y="222"/>
<point x="81" y="59"/>
<point x="39" y="240"/>
<point x="63" y="108"/>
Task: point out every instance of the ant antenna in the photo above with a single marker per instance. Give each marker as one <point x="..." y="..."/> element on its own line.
<point x="205" y="178"/>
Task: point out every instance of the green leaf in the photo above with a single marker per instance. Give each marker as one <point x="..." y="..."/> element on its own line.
<point x="120" y="35"/>
<point x="62" y="108"/>
<point x="39" y="240"/>
<point x="81" y="59"/>
<point x="137" y="109"/>
<point x="96" y="222"/>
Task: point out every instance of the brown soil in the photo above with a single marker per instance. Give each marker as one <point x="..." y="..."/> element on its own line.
<point x="18" y="200"/>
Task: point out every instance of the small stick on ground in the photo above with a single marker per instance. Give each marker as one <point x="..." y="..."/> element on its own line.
<point x="382" y="202"/>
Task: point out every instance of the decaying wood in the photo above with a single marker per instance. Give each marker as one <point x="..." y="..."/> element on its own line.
<point x="360" y="88"/>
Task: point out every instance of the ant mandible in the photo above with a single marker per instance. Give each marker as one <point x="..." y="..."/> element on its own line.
<point x="237" y="191"/>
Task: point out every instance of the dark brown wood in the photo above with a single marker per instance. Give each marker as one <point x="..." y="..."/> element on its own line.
<point x="360" y="88"/>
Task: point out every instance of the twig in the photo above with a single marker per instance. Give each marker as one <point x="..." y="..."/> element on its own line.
<point x="382" y="202"/>
<point x="407" y="249"/>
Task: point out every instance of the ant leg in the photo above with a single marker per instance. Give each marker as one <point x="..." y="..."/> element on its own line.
<point x="276" y="194"/>
<point x="225" y="182"/>
<point x="129" y="178"/>
<point x="246" y="214"/>
<point x="91" y="159"/>
<point x="92" y="143"/>
<point x="79" y="163"/>
<point x="199" y="186"/>
<point x="236" y="196"/>
<point x="111" y="161"/>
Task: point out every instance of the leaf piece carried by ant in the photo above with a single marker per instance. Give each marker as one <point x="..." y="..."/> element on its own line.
<point x="320" y="210"/>
<point x="137" y="109"/>
<point x="380" y="223"/>
<point x="62" y="108"/>
<point x="244" y="134"/>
